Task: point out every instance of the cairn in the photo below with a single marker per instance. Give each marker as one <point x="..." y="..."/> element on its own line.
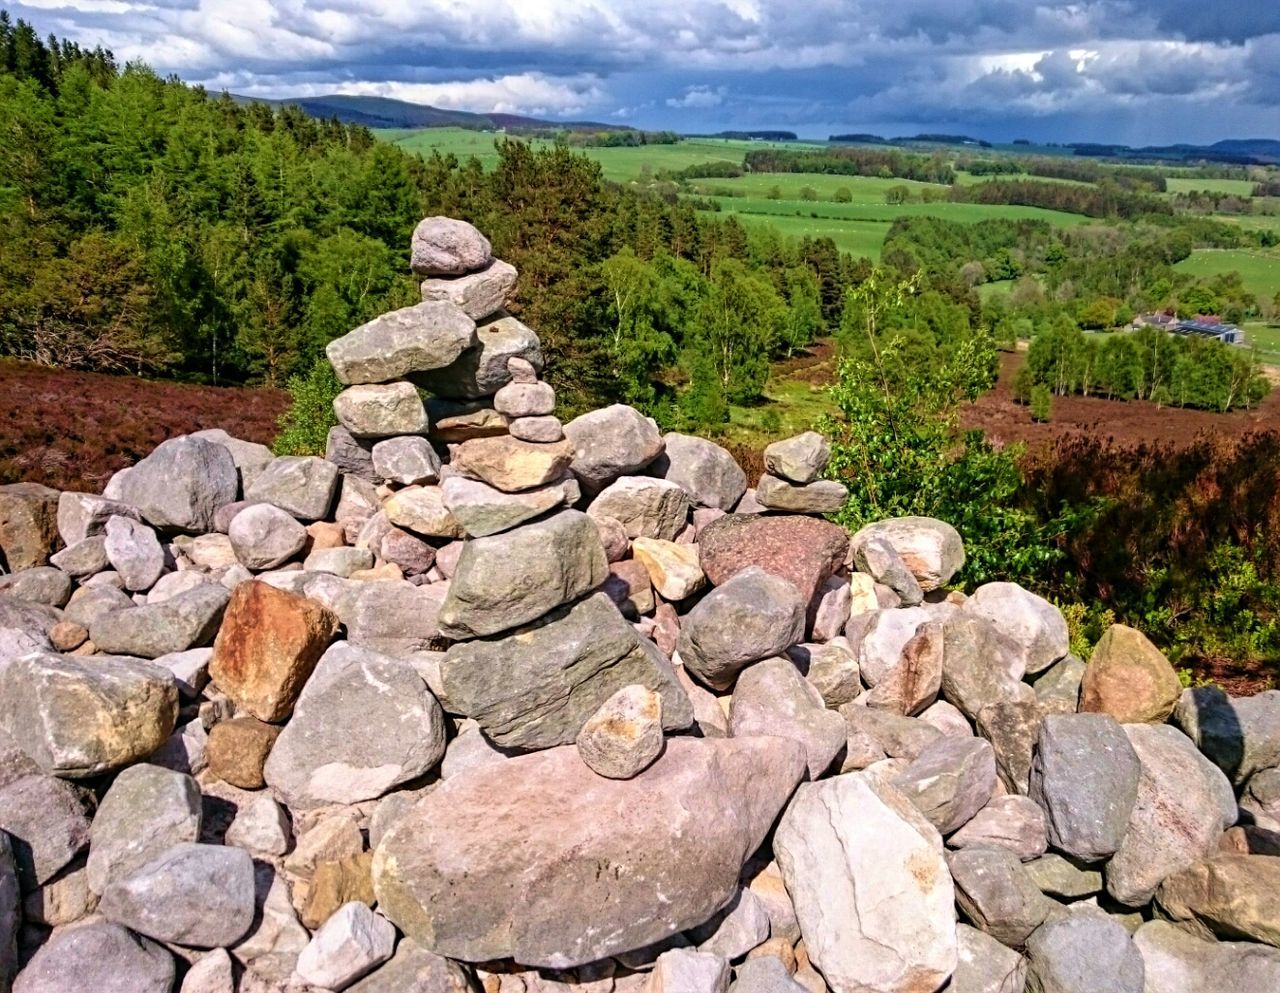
<point x="481" y="701"/>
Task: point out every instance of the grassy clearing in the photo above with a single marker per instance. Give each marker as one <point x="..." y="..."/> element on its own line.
<point x="790" y="406"/>
<point x="858" y="238"/>
<point x="1259" y="269"/>
<point x="1233" y="187"/>
<point x="1266" y="338"/>
<point x="862" y="189"/>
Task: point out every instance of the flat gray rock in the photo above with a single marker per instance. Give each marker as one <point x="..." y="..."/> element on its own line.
<point x="478" y="294"/>
<point x="483" y="510"/>
<point x="705" y="471"/>
<point x="1058" y="687"/>
<point x="507" y="580"/>
<point x="408" y="460"/>
<point x="950" y="781"/>
<point x="364" y="724"/>
<point x="772" y="698"/>
<point x="1013" y="822"/>
<point x="1083" y="952"/>
<point x="1085" y="777"/>
<point x="823" y="496"/>
<point x="47" y="822"/>
<point x="44" y="585"/>
<point x="985" y="965"/>
<point x="687" y="970"/>
<point x="491" y="864"/>
<point x="538" y="686"/>
<point x="350" y="944"/>
<point x="610" y="443"/>
<point x="413" y="969"/>
<point x="82" y="559"/>
<point x="146" y="811"/>
<point x="426" y="336"/>
<point x="301" y="485"/>
<point x="84" y="515"/>
<point x="181" y="485"/>
<point x="392" y="618"/>
<point x="765" y="974"/>
<point x="1240" y="734"/>
<point x="353" y="456"/>
<point x="195" y="895"/>
<point x="751" y="617"/>
<point x="98" y="956"/>
<point x="1178" y="962"/>
<point x="998" y="895"/>
<point x="188" y="620"/>
<point x="78" y="717"/>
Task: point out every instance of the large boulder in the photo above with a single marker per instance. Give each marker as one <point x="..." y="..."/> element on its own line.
<point x="28" y="525"/>
<point x="181" y="485"/>
<point x="1241" y="736"/>
<point x="98" y="956"/>
<point x="772" y="698"/>
<point x="47" y="823"/>
<point x="1085" y="775"/>
<point x="801" y="459"/>
<point x="507" y="580"/>
<point x="824" y="496"/>
<point x="997" y="894"/>
<point x="301" y="485"/>
<point x="752" y="616"/>
<point x="444" y="246"/>
<point x="537" y="687"/>
<point x="1129" y="678"/>
<point x="492" y="864"/>
<point x="1231" y="896"/>
<point x="478" y="294"/>
<point x="248" y="456"/>
<point x="978" y="668"/>
<point x="79" y="717"/>
<point x="931" y="549"/>
<point x="197" y="895"/>
<point x="802" y="550"/>
<point x="146" y="811"/>
<point x="381" y="411"/>
<point x="481" y="371"/>
<point x="1177" y="819"/>
<point x="645" y="507"/>
<point x="415" y="339"/>
<point x="610" y="443"/>
<point x="1034" y="626"/>
<point x="187" y="620"/>
<point x="483" y="510"/>
<point x="1177" y="962"/>
<point x="267" y="647"/>
<point x="363" y="724"/>
<point x="264" y="536"/>
<point x="1083" y="952"/>
<point x="704" y="470"/>
<point x="870" y="887"/>
<point x="950" y="781"/>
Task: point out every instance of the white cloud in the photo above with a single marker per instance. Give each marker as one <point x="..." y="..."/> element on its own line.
<point x="700" y="97"/>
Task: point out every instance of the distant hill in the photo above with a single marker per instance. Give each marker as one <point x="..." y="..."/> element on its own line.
<point x="1237" y="151"/>
<point x="384" y="112"/>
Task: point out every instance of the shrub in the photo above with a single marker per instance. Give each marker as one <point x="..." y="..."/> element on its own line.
<point x="1041" y="404"/>
<point x="305" y="425"/>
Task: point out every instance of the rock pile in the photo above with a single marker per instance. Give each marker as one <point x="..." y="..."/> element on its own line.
<point x="481" y="701"/>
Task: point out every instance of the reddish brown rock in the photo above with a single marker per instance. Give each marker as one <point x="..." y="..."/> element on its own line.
<point x="802" y="550"/>
<point x="269" y="644"/>
<point x="238" y="750"/>
<point x="28" y="525"/>
<point x="67" y="636"/>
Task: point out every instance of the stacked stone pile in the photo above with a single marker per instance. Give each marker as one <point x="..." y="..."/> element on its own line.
<point x="481" y="701"/>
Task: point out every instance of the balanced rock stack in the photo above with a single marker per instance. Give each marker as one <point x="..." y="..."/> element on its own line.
<point x="483" y="702"/>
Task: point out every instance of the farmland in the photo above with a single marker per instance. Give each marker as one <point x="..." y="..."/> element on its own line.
<point x="1260" y="269"/>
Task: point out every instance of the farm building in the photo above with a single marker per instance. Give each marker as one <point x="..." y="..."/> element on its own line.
<point x="1228" y="334"/>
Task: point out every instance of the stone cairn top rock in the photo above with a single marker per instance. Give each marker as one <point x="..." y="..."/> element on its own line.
<point x="484" y="701"/>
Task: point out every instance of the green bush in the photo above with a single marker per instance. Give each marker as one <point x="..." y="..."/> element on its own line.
<point x="1041" y="404"/>
<point x="305" y="425"/>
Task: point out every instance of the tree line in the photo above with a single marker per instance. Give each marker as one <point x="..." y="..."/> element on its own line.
<point x="887" y="164"/>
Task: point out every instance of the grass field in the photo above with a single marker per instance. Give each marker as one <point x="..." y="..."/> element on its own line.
<point x="862" y="189"/>
<point x="1266" y="338"/>
<point x="619" y="164"/>
<point x="1259" y="269"/>
<point x="1236" y="187"/>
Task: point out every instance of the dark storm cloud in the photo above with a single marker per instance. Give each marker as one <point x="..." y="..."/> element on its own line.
<point x="1114" y="69"/>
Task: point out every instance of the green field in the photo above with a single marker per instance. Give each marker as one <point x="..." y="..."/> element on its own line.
<point x="1259" y="269"/>
<point x="1235" y="187"/>
<point x="619" y="164"/>
<point x="862" y="189"/>
<point x="860" y="228"/>
<point x="1266" y="338"/>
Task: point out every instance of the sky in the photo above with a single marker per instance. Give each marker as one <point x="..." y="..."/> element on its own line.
<point x="1129" y="71"/>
